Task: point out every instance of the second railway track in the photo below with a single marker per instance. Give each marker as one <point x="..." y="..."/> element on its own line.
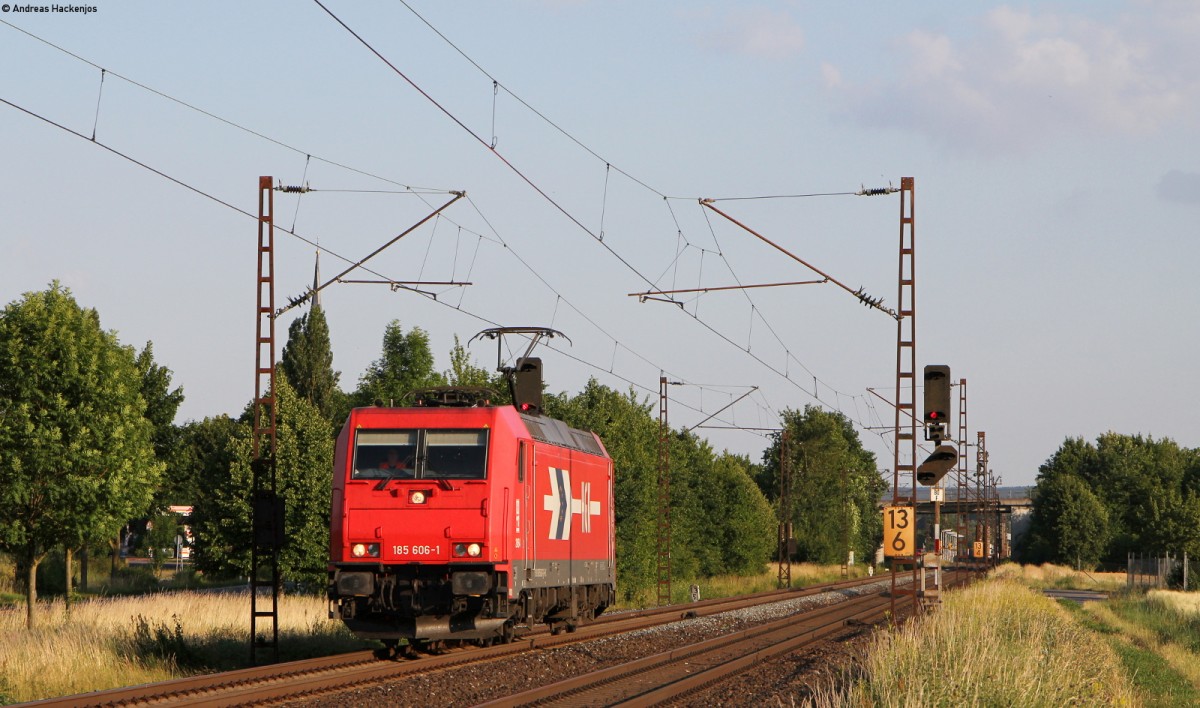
<point x="328" y="676"/>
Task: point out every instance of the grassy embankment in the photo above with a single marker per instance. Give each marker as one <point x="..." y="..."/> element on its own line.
<point x="1001" y="642"/>
<point x="128" y="640"/>
<point x="1041" y="577"/>
<point x="1157" y="636"/>
<point x="995" y="643"/>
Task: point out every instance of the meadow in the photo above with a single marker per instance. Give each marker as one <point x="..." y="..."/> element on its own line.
<point x="128" y="640"/>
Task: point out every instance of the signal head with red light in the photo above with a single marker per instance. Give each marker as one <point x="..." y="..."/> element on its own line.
<point x="937" y="401"/>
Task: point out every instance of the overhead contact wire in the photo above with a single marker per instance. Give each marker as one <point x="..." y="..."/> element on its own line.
<point x="406" y="187"/>
<point x="335" y="254"/>
<point x="214" y="116"/>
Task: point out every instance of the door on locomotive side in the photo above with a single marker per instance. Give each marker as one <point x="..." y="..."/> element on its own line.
<point x="523" y="509"/>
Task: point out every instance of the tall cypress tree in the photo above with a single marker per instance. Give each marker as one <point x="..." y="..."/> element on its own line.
<point x="307" y="361"/>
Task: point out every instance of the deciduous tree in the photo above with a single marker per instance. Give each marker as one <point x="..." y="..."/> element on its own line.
<point x="304" y="466"/>
<point x="835" y="486"/>
<point x="405" y="364"/>
<point x="1146" y="488"/>
<point x="464" y="372"/>
<point x="76" y="455"/>
<point x="1069" y="525"/>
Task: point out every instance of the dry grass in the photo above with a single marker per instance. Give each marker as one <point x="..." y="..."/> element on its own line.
<point x="1185" y="603"/>
<point x="1057" y="576"/>
<point x="131" y="640"/>
<point x="997" y="643"/>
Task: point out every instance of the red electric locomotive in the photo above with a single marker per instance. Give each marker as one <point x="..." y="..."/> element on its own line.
<point x="455" y="519"/>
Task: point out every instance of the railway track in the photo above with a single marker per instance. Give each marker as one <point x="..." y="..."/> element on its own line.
<point x="327" y="675"/>
<point x="672" y="675"/>
<point x="669" y="675"/>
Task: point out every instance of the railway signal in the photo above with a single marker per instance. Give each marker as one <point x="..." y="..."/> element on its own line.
<point x="527" y="385"/>
<point x="937" y="401"/>
<point x="941" y="461"/>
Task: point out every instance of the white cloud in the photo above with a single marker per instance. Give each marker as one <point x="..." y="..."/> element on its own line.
<point x="758" y="32"/>
<point x="1026" y="78"/>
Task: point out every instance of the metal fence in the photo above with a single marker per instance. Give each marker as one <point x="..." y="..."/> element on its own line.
<point x="1149" y="571"/>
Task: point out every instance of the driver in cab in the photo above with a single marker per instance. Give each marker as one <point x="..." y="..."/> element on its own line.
<point x="394" y="466"/>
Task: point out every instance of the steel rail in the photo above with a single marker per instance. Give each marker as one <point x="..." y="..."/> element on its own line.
<point x="658" y="675"/>
<point x="326" y="675"/>
<point x="669" y="675"/>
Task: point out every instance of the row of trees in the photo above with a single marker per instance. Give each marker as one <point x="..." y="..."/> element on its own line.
<point x="1096" y="502"/>
<point x="79" y="446"/>
<point x="88" y="442"/>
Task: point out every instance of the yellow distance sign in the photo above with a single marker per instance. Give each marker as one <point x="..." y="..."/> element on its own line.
<point x="899" y="525"/>
<point x="977" y="549"/>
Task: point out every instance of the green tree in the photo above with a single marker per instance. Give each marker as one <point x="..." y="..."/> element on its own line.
<point x="76" y="455"/>
<point x="1069" y="524"/>
<point x="738" y="525"/>
<point x="464" y="372"/>
<point x="406" y="364"/>
<point x="835" y="486"/>
<point x="162" y="402"/>
<point x="221" y="521"/>
<point x="720" y="521"/>
<point x="1145" y="486"/>
<point x="202" y="453"/>
<point x="1171" y="523"/>
<point x="159" y="540"/>
<point x="307" y="360"/>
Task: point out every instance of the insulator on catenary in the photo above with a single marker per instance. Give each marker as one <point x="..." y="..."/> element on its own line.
<point x="293" y="189"/>
<point x="876" y="191"/>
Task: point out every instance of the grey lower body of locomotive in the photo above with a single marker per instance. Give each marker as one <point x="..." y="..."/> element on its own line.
<point x="419" y="603"/>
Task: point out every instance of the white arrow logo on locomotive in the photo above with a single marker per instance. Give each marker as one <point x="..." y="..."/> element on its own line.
<point x="562" y="506"/>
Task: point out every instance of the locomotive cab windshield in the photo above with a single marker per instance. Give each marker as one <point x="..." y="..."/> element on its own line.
<point x="420" y="454"/>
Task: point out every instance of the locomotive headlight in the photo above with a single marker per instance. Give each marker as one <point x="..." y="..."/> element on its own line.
<point x="460" y="550"/>
<point x="474" y="550"/>
<point x="360" y="550"/>
<point x="417" y="497"/>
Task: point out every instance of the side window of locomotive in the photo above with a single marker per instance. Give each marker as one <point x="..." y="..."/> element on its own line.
<point x="380" y="454"/>
<point x="456" y="454"/>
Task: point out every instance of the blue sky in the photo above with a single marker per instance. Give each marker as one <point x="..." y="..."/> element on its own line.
<point x="1054" y="147"/>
